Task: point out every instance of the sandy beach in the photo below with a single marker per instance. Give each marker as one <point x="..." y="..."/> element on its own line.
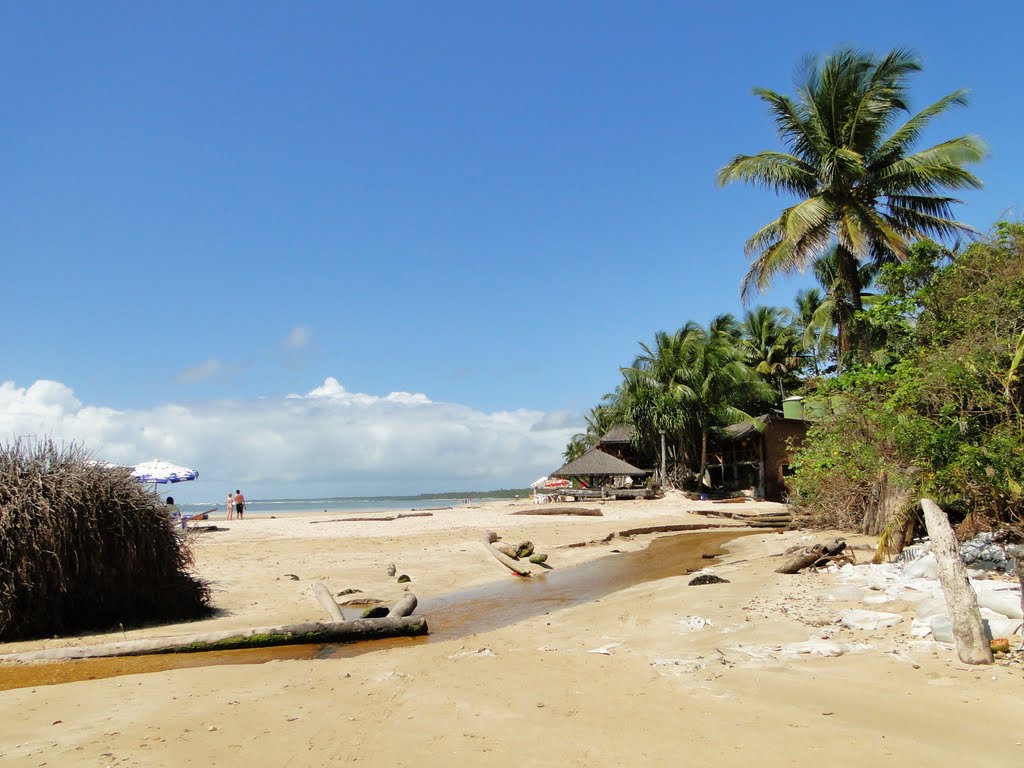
<point x="658" y="673"/>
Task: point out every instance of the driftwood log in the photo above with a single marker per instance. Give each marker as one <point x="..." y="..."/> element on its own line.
<point x="404" y="607"/>
<point x="819" y="554"/>
<point x="258" y="637"/>
<point x="379" y="518"/>
<point x="506" y="549"/>
<point x="324" y="597"/>
<point x="669" y="528"/>
<point x="488" y="539"/>
<point x="972" y="646"/>
<point x="578" y="511"/>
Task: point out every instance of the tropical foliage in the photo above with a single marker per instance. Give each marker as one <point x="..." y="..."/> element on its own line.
<point x="943" y="408"/>
<point x="911" y="351"/>
<point x="861" y="190"/>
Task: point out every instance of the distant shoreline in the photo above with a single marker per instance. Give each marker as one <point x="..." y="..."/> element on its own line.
<point x="292" y="507"/>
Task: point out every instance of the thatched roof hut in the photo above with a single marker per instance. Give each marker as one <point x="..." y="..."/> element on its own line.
<point x="596" y="463"/>
<point x="618" y="434"/>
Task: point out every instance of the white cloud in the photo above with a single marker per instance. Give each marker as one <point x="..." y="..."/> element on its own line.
<point x="328" y="441"/>
<point x="299" y="337"/>
<point x="199" y="372"/>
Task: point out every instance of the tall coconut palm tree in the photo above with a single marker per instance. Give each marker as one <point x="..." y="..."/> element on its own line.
<point x="859" y="184"/>
<point x="837" y="310"/>
<point x="770" y="346"/>
<point x="716" y="379"/>
<point x="810" y="325"/>
<point x="651" y="393"/>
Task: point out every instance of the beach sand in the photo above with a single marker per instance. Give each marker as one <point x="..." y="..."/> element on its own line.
<point x="660" y="691"/>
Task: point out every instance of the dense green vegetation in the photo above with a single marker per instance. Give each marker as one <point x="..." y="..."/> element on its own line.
<point x="939" y="407"/>
<point x="913" y="353"/>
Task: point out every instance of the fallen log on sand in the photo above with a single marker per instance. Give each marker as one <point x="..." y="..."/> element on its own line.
<point x="581" y="512"/>
<point x="768" y="520"/>
<point x="819" y="554"/>
<point x="404" y="607"/>
<point x="258" y="637"/>
<point x="488" y="540"/>
<point x="671" y="528"/>
<point x="378" y="518"/>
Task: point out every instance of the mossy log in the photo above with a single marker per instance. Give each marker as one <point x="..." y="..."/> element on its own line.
<point x="258" y="637"/>
<point x="488" y="540"/>
<point x="525" y="549"/>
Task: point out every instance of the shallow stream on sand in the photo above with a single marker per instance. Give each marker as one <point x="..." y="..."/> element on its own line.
<point x="457" y="614"/>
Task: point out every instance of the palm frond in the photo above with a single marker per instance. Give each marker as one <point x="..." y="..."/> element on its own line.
<point x="907" y="135"/>
<point x="777" y="171"/>
<point x="898" y="521"/>
<point x="936" y="168"/>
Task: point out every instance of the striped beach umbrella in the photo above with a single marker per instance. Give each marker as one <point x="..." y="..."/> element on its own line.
<point x="161" y="472"/>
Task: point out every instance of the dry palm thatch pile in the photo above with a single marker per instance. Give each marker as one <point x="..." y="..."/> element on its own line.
<point x="85" y="546"/>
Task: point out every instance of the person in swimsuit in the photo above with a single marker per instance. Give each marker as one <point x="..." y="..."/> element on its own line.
<point x="239" y="503"/>
<point x="231" y="506"/>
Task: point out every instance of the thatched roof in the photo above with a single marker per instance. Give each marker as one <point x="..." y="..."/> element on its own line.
<point x="597" y="462"/>
<point x="620" y="433"/>
<point x="744" y="429"/>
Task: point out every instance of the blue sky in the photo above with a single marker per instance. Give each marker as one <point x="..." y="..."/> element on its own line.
<point x="206" y="208"/>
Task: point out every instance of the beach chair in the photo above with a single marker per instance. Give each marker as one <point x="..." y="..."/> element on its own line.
<point x="196" y="516"/>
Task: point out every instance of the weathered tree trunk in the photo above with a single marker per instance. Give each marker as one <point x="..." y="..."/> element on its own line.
<point x="258" y="637"/>
<point x="972" y="646"/>
<point x="808" y="556"/>
<point x="703" y="461"/>
<point x="664" y="462"/>
<point x="887" y="500"/>
<point x="325" y="599"/>
<point x="403" y="607"/>
<point x="488" y="539"/>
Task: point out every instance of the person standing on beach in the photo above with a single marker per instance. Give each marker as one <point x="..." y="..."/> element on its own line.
<point x="239" y="503"/>
<point x="231" y="506"/>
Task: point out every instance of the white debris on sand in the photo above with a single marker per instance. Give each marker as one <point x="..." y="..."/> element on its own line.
<point x="861" y="619"/>
<point x="917" y="582"/>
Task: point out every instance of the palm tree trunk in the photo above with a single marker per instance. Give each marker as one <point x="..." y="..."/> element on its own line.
<point x="703" y="459"/>
<point x="851" y="334"/>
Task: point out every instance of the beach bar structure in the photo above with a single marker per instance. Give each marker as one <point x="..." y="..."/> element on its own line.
<point x="618" y="442"/>
<point x="756" y="455"/>
<point x="605" y="476"/>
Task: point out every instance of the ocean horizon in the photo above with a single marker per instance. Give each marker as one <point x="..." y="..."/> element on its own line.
<point x="337" y="504"/>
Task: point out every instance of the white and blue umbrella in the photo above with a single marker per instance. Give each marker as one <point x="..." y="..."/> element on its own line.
<point x="161" y="472"/>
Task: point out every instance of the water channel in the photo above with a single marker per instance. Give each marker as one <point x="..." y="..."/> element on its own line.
<point x="457" y="614"/>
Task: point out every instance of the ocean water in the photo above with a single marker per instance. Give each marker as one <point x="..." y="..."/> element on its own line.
<point x="264" y="507"/>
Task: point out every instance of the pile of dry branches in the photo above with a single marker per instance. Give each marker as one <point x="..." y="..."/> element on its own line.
<point x="85" y="546"/>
